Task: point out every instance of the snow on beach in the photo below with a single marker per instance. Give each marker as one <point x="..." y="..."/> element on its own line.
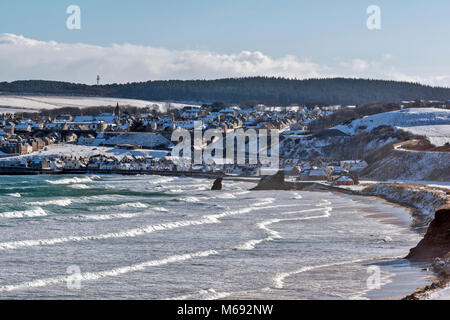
<point x="34" y="103"/>
<point x="440" y="294"/>
<point x="423" y="198"/>
<point x="433" y="123"/>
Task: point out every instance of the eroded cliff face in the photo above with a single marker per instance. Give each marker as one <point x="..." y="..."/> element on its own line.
<point x="436" y="242"/>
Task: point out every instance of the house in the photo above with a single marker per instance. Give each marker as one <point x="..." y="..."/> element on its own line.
<point x="22" y="127"/>
<point x="344" y="181"/>
<point x="354" y="165"/>
<point x="318" y="174"/>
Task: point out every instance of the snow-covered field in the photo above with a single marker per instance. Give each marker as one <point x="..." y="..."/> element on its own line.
<point x="30" y="103"/>
<point x="148" y="140"/>
<point x="77" y="151"/>
<point x="433" y="123"/>
<point x="438" y="135"/>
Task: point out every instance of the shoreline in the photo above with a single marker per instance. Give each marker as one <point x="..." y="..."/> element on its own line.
<point x="420" y="226"/>
<point x="419" y="293"/>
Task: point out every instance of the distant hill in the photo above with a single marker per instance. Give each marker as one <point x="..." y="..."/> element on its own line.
<point x="272" y="91"/>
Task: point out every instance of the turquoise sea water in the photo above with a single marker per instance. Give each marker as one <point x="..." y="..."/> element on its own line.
<point x="152" y="237"/>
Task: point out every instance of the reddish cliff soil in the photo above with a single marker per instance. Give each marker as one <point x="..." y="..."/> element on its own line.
<point x="436" y="242"/>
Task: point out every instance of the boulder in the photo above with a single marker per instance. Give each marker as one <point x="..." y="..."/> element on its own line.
<point x="275" y="182"/>
<point x="436" y="242"/>
<point x="217" y="185"/>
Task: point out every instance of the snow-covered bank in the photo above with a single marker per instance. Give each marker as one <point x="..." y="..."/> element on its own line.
<point x="441" y="294"/>
<point x="423" y="198"/>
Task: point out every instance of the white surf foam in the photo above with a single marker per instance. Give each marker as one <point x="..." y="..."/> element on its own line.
<point x="161" y="209"/>
<point x="36" y="212"/>
<point x="209" y="294"/>
<point x="92" y="276"/>
<point x="112" y="216"/>
<point x="79" y="186"/>
<point x="226" y="195"/>
<point x="279" y="278"/>
<point x="193" y="199"/>
<point x="105" y="217"/>
<point x="58" y="202"/>
<point x="297" y="196"/>
<point x="272" y="234"/>
<point x="14" y="195"/>
<point x="133" y="205"/>
<point x="71" y="180"/>
<point x="176" y="190"/>
<point x="130" y="233"/>
<point x="160" y="180"/>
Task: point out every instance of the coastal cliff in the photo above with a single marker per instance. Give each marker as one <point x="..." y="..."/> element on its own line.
<point x="435" y="245"/>
<point x="436" y="242"/>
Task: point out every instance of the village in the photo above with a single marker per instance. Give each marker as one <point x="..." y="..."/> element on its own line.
<point x="132" y="143"/>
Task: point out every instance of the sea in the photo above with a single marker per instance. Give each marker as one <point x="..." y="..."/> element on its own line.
<point x="160" y="237"/>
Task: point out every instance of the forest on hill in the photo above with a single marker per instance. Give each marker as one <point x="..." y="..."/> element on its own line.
<point x="244" y="91"/>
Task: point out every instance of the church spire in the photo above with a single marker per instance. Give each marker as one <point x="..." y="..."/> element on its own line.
<point x="117" y="113"/>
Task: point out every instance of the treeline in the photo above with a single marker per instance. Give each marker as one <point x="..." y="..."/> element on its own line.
<point x="245" y="91"/>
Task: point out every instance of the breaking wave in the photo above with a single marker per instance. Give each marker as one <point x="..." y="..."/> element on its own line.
<point x="193" y="199"/>
<point x="92" y="276"/>
<point x="273" y="235"/>
<point x="72" y="180"/>
<point x="133" y="205"/>
<point x="60" y="202"/>
<point x="209" y="294"/>
<point x="14" y="195"/>
<point x="131" y="233"/>
<point x="161" y="180"/>
<point x="36" y="212"/>
<point x="279" y="278"/>
<point x="79" y="186"/>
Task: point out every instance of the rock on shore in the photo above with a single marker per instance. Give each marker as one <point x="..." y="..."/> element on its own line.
<point x="275" y="182"/>
<point x="217" y="185"/>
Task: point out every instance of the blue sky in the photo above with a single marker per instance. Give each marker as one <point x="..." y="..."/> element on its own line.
<point x="325" y="38"/>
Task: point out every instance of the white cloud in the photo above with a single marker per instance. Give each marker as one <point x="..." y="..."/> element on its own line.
<point x="31" y="59"/>
<point x="23" y="58"/>
<point x="357" y="65"/>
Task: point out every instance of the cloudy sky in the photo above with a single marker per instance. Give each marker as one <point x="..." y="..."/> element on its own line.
<point x="207" y="39"/>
